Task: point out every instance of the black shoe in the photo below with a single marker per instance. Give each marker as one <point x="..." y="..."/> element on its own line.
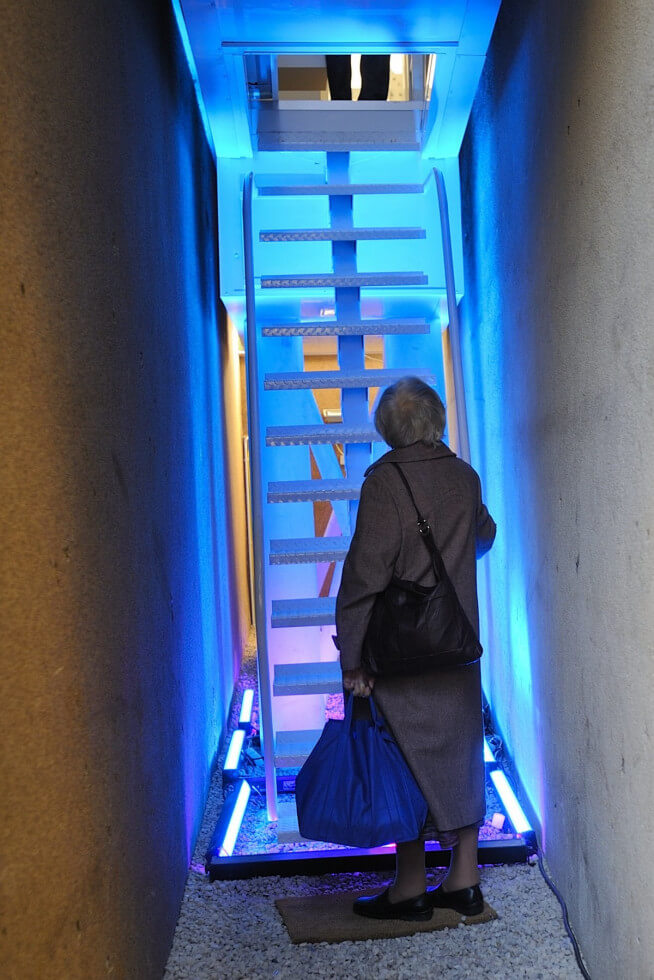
<point x="379" y="907"/>
<point x="465" y="901"/>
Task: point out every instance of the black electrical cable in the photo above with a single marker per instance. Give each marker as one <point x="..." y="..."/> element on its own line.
<point x="566" y="921"/>
<point x="497" y="748"/>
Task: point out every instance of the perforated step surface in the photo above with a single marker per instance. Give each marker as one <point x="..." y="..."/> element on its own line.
<point x="342" y="235"/>
<point x="333" y="328"/>
<point x="337" y="190"/>
<point x="297" y="551"/>
<point x="336" y="142"/>
<point x="305" y="435"/>
<point x="359" y="280"/>
<point x="292" y="748"/>
<point x="308" y="678"/>
<point x="293" y="491"/>
<point x="373" y="378"/>
<point x="303" y="612"/>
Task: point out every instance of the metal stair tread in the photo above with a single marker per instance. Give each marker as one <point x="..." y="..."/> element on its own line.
<point x="340" y="234"/>
<point x="371" y="378"/>
<point x="302" y="435"/>
<point x="323" y="677"/>
<point x="380" y="106"/>
<point x="348" y="190"/>
<point x="291" y="491"/>
<point x="354" y="279"/>
<point x="293" y="747"/>
<point x="336" y="328"/>
<point x="303" y="612"/>
<point x="337" y="142"/>
<point x="296" y="551"/>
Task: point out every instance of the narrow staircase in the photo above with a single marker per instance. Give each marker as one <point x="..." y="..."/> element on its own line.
<point x="298" y="666"/>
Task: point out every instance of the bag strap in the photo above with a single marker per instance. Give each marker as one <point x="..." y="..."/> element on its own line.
<point x="375" y="715"/>
<point x="425" y="531"/>
<point x="349" y="711"/>
<point x="427" y="536"/>
<point x="377" y="718"/>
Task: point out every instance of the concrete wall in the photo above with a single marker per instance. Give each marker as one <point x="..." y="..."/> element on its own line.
<point x="119" y="639"/>
<point x="557" y="171"/>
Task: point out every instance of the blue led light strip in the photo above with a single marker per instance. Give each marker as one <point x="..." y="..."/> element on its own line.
<point x="233" y="756"/>
<point x="514" y="811"/>
<point x="245" y="716"/>
<point x="234" y="825"/>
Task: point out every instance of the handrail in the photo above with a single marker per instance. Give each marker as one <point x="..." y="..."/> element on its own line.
<point x="453" y="314"/>
<point x="256" y="483"/>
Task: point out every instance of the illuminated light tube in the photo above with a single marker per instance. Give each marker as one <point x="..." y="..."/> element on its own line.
<point x="235" y="821"/>
<point x="245" y="716"/>
<point x="234" y="751"/>
<point x="488" y="755"/>
<point x="515" y="812"/>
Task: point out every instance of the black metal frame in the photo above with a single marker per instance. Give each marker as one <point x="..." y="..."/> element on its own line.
<point x="243" y="866"/>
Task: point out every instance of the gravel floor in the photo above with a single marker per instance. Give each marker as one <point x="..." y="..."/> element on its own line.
<point x="232" y="930"/>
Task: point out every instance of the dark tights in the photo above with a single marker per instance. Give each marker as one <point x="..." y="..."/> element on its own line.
<point x="375" y="76"/>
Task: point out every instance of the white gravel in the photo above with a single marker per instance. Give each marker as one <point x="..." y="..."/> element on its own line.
<point x="232" y="931"/>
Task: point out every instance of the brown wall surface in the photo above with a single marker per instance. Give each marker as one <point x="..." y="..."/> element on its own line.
<point x="558" y="196"/>
<point x="119" y="643"/>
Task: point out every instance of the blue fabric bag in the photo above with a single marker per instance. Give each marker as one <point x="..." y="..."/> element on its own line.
<point x="356" y="787"/>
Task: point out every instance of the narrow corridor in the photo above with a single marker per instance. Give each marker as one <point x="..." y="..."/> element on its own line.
<point x="126" y="593"/>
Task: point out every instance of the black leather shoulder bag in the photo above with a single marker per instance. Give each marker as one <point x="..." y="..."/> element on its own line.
<point x="414" y="628"/>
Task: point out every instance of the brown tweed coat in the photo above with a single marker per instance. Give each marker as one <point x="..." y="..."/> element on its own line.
<point x="436" y="718"/>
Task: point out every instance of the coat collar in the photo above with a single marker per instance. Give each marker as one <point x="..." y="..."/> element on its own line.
<point x="413" y="453"/>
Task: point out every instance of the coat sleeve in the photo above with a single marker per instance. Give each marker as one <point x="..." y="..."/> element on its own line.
<point x="486" y="528"/>
<point x="368" y="567"/>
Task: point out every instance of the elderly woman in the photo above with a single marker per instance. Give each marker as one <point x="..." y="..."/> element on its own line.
<point x="436" y="717"/>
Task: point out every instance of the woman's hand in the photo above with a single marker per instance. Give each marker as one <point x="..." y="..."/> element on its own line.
<point x="359" y="681"/>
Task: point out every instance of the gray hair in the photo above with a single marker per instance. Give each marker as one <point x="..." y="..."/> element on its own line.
<point x="410" y="411"/>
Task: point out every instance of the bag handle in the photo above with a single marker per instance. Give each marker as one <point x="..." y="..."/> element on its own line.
<point x="349" y="711"/>
<point x="425" y="531"/>
<point x="377" y="718"/>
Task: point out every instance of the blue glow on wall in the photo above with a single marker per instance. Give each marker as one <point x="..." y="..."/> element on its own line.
<point x="507" y="666"/>
<point x="202" y="604"/>
<point x="501" y="379"/>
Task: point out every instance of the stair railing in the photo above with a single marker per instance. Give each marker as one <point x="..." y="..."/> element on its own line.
<point x="256" y="483"/>
<point x="453" y="314"/>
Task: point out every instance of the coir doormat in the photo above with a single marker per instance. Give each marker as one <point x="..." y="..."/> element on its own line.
<point x="330" y="919"/>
